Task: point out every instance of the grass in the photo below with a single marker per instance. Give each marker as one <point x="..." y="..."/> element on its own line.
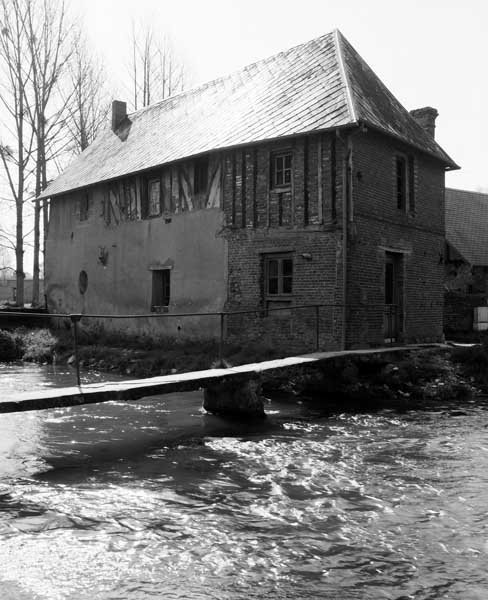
<point x="139" y="356"/>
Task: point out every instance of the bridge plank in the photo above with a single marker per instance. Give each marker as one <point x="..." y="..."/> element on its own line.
<point x="167" y="384"/>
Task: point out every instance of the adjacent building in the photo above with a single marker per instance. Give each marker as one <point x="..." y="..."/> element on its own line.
<point x="466" y="242"/>
<point x="466" y="259"/>
<point x="299" y="180"/>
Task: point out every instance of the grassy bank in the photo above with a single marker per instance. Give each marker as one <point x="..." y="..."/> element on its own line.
<point x="138" y="356"/>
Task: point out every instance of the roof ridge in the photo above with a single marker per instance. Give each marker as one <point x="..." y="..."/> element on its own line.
<point x="232" y="74"/>
<point x="340" y="61"/>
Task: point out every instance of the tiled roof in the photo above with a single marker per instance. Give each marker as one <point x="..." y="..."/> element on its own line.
<point x="322" y="84"/>
<point x="467" y="225"/>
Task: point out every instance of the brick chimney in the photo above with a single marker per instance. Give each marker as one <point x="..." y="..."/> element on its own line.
<point x="426" y="117"/>
<point x="119" y="113"/>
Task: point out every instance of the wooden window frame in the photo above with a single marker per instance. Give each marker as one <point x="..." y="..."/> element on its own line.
<point x="277" y="157"/>
<point x="130" y="199"/>
<point x="160" y="302"/>
<point x="280" y="294"/>
<point x="405" y="182"/>
<point x="149" y="182"/>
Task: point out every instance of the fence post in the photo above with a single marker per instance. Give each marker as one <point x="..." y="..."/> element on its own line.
<point x="221" y="340"/>
<point x="75" y="318"/>
<point x="317" y="327"/>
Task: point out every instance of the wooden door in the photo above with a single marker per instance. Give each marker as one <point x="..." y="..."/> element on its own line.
<point x="391" y="318"/>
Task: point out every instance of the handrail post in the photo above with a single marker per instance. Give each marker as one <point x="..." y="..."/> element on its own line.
<point x="317" y="327"/>
<point x="75" y="318"/>
<point x="221" y="340"/>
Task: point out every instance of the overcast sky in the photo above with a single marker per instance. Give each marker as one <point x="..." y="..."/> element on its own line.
<point x="428" y="52"/>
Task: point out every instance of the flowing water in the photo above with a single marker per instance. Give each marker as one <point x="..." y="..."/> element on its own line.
<point x="154" y="499"/>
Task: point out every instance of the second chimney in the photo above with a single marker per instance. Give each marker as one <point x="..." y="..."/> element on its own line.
<point x="426" y="117"/>
<point x="119" y="113"/>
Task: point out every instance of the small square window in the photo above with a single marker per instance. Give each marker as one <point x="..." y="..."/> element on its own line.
<point x="281" y="169"/>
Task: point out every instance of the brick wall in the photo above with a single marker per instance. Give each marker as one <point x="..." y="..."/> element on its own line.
<point x="300" y="220"/>
<point x="416" y="237"/>
<point x="306" y="221"/>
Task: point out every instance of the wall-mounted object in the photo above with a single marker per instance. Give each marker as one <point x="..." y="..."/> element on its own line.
<point x="102" y="255"/>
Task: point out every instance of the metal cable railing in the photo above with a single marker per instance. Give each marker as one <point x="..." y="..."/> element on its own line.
<point x="390" y="320"/>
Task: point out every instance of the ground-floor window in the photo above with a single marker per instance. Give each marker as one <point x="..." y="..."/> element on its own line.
<point x="278" y="270"/>
<point x="278" y="282"/>
<point x="161" y="280"/>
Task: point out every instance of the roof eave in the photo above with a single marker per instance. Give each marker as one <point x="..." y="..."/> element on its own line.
<point x="449" y="164"/>
<point x="45" y="194"/>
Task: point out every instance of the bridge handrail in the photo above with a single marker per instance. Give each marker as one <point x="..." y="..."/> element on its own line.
<point x="75" y="318"/>
<point x="156" y="315"/>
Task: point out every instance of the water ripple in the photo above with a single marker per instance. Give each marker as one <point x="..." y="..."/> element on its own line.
<point x="125" y="500"/>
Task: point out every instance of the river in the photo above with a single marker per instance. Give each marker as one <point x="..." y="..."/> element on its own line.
<point x="154" y="499"/>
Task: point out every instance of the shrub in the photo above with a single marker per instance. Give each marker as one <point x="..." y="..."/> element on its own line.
<point x="9" y="348"/>
<point x="39" y="345"/>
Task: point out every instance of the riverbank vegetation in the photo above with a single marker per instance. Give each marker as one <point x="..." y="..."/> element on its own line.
<point x="414" y="379"/>
<point x="134" y="355"/>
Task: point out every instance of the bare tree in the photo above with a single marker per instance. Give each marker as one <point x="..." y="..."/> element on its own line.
<point x="156" y="70"/>
<point x="88" y="109"/>
<point x="49" y="38"/>
<point x="16" y="145"/>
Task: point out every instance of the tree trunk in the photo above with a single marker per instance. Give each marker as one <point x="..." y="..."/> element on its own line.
<point x="35" y="268"/>
<point x="19" y="256"/>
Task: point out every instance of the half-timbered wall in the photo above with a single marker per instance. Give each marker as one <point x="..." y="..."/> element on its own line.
<point x="294" y="218"/>
<point x="119" y="233"/>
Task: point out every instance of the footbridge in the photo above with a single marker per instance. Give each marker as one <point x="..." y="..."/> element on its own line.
<point x="232" y="378"/>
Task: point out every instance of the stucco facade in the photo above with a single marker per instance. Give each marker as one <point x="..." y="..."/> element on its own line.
<point x="119" y="252"/>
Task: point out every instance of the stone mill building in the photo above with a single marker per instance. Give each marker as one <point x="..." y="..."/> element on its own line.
<point x="299" y="180"/>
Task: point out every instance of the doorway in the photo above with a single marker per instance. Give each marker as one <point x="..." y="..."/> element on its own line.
<point x="393" y="296"/>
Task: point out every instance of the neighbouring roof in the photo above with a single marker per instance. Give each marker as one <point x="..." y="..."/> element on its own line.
<point x="320" y="85"/>
<point x="467" y="225"/>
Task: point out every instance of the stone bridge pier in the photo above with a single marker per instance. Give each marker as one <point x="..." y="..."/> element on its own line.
<point x="235" y="398"/>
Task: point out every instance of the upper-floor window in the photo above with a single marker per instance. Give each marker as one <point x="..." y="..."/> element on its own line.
<point x="281" y="169"/>
<point x="84" y="204"/>
<point x="405" y="182"/>
<point x="130" y="199"/>
<point x="278" y="269"/>
<point x="200" y="175"/>
<point x="153" y="196"/>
